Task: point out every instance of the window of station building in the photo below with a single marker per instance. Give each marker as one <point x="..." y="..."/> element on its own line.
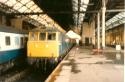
<point x="33" y="36"/>
<point x="51" y="36"/>
<point x="7" y="40"/>
<point x="42" y="36"/>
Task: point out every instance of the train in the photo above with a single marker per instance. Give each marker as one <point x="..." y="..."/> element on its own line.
<point x="12" y="45"/>
<point x="48" y="44"/>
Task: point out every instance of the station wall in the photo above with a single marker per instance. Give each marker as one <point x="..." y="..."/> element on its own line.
<point x="16" y="23"/>
<point x="88" y="33"/>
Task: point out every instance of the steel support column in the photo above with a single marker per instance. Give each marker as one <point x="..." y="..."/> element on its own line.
<point x="103" y="23"/>
<point x="98" y="30"/>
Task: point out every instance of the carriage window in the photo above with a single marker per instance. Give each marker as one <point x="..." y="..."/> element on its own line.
<point x="33" y="36"/>
<point x="17" y="40"/>
<point x="7" y="40"/>
<point x="42" y="36"/>
<point x="51" y="36"/>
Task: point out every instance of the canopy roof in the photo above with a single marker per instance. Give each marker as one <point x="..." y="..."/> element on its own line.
<point x="27" y="6"/>
<point x="118" y="19"/>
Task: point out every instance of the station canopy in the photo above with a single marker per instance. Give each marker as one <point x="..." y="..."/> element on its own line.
<point x="67" y="13"/>
<point x="118" y="19"/>
<point x="80" y="6"/>
<point x="28" y="6"/>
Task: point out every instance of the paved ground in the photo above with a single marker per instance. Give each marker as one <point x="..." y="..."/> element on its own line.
<point x="83" y="65"/>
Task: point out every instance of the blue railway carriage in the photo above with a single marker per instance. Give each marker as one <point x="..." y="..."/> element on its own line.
<point x="12" y="44"/>
<point x="46" y="44"/>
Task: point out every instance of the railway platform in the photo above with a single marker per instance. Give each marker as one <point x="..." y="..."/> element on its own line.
<point x="83" y="65"/>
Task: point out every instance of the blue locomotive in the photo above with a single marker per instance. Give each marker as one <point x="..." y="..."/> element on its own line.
<point x="12" y="44"/>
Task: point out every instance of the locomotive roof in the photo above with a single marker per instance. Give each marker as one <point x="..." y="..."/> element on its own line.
<point x="45" y="30"/>
<point x="12" y="30"/>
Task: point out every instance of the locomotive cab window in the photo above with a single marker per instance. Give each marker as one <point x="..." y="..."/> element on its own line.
<point x="7" y="40"/>
<point x="51" y="36"/>
<point x="33" y="36"/>
<point x="42" y="36"/>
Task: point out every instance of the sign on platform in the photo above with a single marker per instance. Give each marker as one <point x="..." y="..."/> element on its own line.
<point x="118" y="47"/>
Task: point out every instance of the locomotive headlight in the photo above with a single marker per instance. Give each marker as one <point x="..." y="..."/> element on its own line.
<point x="36" y="45"/>
<point x="46" y="46"/>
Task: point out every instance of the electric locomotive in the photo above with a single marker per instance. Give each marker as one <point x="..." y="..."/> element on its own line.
<point x="46" y="44"/>
<point x="12" y="45"/>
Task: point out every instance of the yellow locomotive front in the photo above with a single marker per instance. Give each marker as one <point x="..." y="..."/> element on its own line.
<point x="43" y="45"/>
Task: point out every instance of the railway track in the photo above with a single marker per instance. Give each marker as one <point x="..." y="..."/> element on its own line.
<point x="14" y="74"/>
<point x="29" y="74"/>
<point x="26" y="74"/>
<point x="35" y="76"/>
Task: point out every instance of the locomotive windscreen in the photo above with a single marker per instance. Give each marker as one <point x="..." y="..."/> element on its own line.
<point x="51" y="36"/>
<point x="33" y="36"/>
<point x="42" y="36"/>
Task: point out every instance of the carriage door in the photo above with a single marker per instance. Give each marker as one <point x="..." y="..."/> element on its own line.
<point x="86" y="41"/>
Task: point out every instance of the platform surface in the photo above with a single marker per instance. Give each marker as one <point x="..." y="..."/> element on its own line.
<point x="83" y="65"/>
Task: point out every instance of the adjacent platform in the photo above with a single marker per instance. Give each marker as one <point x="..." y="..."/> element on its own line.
<point x="83" y="65"/>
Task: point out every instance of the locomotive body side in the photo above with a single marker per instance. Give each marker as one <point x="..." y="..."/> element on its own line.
<point x="64" y="46"/>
